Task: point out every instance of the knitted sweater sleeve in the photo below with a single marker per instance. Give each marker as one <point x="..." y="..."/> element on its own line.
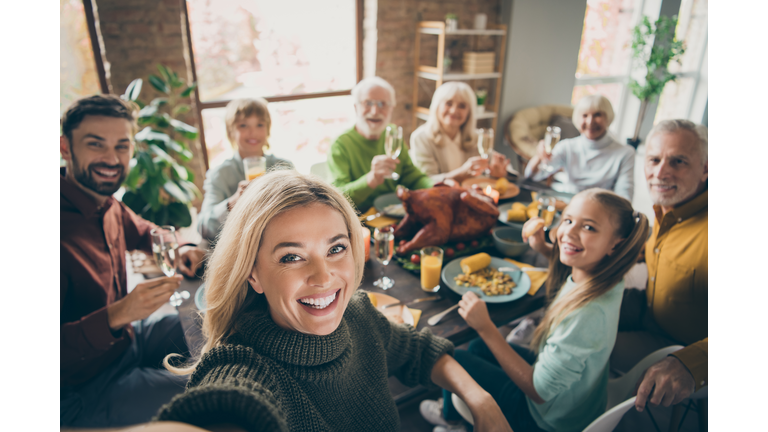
<point x="227" y="388"/>
<point x="411" y="354"/>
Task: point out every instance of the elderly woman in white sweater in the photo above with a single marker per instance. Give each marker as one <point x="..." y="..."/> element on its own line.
<point x="445" y="147"/>
<point x="593" y="159"/>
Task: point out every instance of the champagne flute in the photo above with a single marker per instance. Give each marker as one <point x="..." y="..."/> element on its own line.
<point x="384" y="246"/>
<point x="165" y="249"/>
<point x="393" y="144"/>
<point x="485" y="145"/>
<point x="551" y="138"/>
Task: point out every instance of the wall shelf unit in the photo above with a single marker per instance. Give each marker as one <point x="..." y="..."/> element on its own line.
<point x="439" y="75"/>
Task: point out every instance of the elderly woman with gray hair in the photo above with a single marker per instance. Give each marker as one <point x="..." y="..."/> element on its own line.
<point x="445" y="147"/>
<point x="593" y="159"/>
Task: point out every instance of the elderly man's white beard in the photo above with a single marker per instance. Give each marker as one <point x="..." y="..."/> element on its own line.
<point x="367" y="130"/>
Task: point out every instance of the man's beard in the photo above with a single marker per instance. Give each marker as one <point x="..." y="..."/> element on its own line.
<point x="85" y="177"/>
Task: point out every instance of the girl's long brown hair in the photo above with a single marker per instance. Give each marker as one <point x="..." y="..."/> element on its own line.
<point x="632" y="227"/>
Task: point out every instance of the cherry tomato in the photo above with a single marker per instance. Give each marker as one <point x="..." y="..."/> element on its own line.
<point x="460" y="246"/>
<point x="402" y="242"/>
<point x="415" y="258"/>
<point x="474" y="243"/>
<point x="435" y="253"/>
<point x="449" y="252"/>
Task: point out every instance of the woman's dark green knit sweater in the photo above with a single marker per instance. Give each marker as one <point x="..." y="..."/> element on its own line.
<point x="268" y="378"/>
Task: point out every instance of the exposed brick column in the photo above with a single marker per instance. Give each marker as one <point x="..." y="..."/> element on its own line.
<point x="137" y="36"/>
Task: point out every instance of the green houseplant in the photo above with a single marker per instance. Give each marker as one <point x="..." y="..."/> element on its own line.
<point x="654" y="46"/>
<point x="159" y="186"/>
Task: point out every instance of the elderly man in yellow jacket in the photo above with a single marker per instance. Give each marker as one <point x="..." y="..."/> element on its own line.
<point x="673" y="308"/>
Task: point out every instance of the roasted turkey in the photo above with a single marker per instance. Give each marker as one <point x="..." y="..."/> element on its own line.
<point x="442" y="214"/>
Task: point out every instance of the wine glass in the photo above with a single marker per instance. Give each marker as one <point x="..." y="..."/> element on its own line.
<point x="165" y="249"/>
<point x="551" y="138"/>
<point x="393" y="144"/>
<point x="383" y="247"/>
<point x="485" y="145"/>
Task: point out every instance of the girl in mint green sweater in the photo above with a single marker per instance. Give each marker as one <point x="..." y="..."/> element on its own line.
<point x="561" y="385"/>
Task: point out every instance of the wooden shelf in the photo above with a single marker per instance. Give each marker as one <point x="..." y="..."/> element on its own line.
<point x="462" y="32"/>
<point x="436" y="73"/>
<point x="425" y="115"/>
<point x="428" y="72"/>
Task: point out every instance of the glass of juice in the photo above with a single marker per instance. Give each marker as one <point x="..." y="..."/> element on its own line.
<point x="431" y="263"/>
<point x="367" y="241"/>
<point x="255" y="166"/>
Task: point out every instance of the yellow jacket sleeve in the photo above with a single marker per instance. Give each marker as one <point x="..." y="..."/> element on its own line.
<point x="694" y="357"/>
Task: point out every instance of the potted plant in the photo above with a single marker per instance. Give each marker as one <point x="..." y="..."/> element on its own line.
<point x="451" y="22"/>
<point x="159" y="186"/>
<point x="653" y="46"/>
<point x="482" y="95"/>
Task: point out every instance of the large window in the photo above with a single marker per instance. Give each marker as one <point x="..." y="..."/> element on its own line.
<point x="78" y="74"/>
<point x="304" y="62"/>
<point x="605" y="56"/>
<point x="686" y="97"/>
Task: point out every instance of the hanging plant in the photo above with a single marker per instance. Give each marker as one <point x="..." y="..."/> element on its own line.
<point x="159" y="186"/>
<point x="654" y="46"/>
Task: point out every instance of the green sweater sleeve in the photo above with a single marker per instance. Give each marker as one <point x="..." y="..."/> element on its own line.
<point x="224" y="389"/>
<point x="411" y="354"/>
<point x="250" y="409"/>
<point x="339" y="166"/>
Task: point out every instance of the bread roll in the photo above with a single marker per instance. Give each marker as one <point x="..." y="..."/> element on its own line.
<point x="531" y="228"/>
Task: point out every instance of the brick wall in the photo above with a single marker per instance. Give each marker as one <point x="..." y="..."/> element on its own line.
<point x="395" y="42"/>
<point x="136" y="36"/>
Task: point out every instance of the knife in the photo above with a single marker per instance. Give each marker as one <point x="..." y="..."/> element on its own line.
<point x="419" y="300"/>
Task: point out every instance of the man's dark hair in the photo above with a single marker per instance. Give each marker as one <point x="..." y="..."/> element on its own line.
<point x="102" y="105"/>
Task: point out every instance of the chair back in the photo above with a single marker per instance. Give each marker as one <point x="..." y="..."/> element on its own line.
<point x="619" y="389"/>
<point x="611" y="418"/>
<point x="320" y="170"/>
<point x="527" y="127"/>
<point x="462" y="408"/>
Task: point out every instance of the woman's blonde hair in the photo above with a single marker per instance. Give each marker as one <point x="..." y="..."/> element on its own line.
<point x="467" y="130"/>
<point x="239" y="109"/>
<point x="234" y="257"/>
<point x="593" y="103"/>
<point x="631" y="226"/>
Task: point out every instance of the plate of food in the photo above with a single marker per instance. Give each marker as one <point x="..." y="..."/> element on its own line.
<point x="479" y="273"/>
<point x="397" y="314"/>
<point x="516" y="214"/>
<point x="389" y="205"/>
<point x="506" y="189"/>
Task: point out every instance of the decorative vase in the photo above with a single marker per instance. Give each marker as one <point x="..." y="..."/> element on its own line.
<point x="451" y="24"/>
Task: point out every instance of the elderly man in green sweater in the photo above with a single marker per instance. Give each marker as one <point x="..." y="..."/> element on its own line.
<point x="357" y="161"/>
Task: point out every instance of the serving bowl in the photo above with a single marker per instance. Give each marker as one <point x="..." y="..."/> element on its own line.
<point x="509" y="241"/>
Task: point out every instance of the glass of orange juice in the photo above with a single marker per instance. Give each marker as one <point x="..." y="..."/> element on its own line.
<point x="431" y="263"/>
<point x="255" y="166"/>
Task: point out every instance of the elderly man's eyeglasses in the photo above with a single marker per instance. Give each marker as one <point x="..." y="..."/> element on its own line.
<point x="371" y="103"/>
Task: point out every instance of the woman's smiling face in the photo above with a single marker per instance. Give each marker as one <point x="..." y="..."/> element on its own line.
<point x="305" y="268"/>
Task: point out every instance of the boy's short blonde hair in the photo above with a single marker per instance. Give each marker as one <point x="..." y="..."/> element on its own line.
<point x="240" y="109"/>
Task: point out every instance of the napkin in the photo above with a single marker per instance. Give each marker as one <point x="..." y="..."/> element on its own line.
<point x="416" y="315"/>
<point x="537" y="278"/>
<point x="380" y="221"/>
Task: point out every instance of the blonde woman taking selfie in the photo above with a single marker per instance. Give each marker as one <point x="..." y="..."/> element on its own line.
<point x="290" y="343"/>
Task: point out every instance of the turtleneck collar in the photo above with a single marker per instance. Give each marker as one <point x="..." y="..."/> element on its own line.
<point x="256" y="329"/>
<point x="602" y="143"/>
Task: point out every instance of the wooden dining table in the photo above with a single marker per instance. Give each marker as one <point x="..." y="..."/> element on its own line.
<point x="406" y="289"/>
